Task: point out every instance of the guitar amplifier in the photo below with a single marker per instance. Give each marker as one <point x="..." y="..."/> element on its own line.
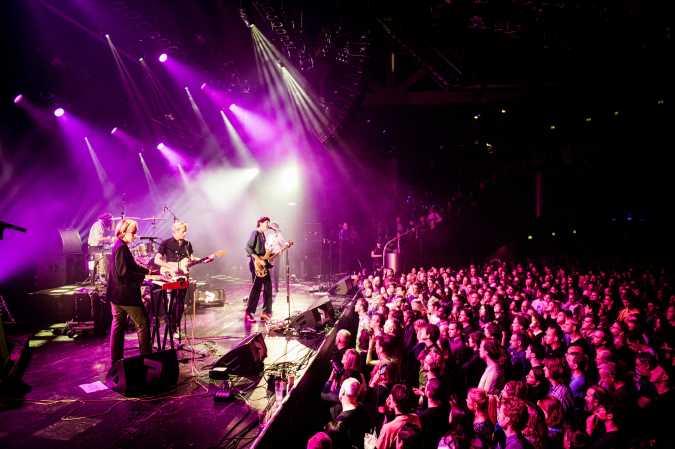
<point x="210" y="297"/>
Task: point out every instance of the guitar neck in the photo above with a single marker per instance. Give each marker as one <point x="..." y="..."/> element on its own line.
<point x="198" y="261"/>
<point x="273" y="256"/>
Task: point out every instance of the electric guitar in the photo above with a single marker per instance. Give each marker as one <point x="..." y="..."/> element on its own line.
<point x="182" y="267"/>
<point x="261" y="264"/>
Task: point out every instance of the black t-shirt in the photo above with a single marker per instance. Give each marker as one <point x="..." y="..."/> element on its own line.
<point x="609" y="440"/>
<point x="435" y="424"/>
<point x="349" y="428"/>
<point x="174" y="250"/>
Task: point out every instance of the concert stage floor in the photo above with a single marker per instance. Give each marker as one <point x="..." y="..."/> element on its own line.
<point x="58" y="413"/>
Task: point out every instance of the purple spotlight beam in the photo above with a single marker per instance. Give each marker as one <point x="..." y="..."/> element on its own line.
<point x="58" y="112"/>
<point x="18" y="98"/>
<point x="163" y="57"/>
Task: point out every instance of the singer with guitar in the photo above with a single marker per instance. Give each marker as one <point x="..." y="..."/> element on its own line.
<point x="259" y="264"/>
<point x="173" y="257"/>
<point x="255" y="249"/>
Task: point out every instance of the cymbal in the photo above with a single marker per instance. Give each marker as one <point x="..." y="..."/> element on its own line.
<point x="153" y="219"/>
<point x="126" y="217"/>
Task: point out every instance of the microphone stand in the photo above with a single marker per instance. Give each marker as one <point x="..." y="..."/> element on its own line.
<point x="397" y="238"/>
<point x="4" y="225"/>
<point x="175" y="219"/>
<point x="288" y="283"/>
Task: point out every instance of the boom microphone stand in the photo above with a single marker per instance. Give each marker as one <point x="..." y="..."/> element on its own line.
<point x="397" y="238"/>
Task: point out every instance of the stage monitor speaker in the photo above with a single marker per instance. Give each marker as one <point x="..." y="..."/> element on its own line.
<point x="315" y="318"/>
<point x="343" y="287"/>
<point x="144" y="373"/>
<point x="245" y="358"/>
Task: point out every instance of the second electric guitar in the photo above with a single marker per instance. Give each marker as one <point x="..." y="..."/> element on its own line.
<point x="182" y="267"/>
<point x="261" y="264"/>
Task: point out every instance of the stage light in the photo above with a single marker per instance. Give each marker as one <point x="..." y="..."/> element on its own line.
<point x="588" y="119"/>
<point x="163" y="57"/>
<point x="161" y="146"/>
<point x="232" y="107"/>
<point x="140" y="60"/>
<point x="107" y="36"/>
<point x="18" y="98"/>
<point x="503" y="111"/>
<point x="289" y="179"/>
<point x="552" y="127"/>
<point x="616" y="113"/>
<point x="476" y="116"/>
<point x="552" y="234"/>
<point x="292" y="203"/>
<point x="203" y="86"/>
<point x="114" y="130"/>
<point x="529" y="237"/>
<point x="574" y="231"/>
<point x="58" y="112"/>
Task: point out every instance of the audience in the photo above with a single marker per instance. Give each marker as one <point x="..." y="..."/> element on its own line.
<point x="508" y="356"/>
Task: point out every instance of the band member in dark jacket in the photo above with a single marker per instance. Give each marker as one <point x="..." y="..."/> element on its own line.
<point x="255" y="248"/>
<point x="124" y="292"/>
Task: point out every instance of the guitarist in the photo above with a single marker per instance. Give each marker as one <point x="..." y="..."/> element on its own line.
<point x="175" y="249"/>
<point x="255" y="249"/>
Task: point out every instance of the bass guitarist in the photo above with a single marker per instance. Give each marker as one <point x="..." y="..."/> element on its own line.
<point x="255" y="250"/>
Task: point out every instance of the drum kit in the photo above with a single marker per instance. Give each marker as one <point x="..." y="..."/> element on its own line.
<point x="146" y="247"/>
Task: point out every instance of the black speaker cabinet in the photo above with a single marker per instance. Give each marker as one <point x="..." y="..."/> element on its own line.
<point x="144" y="373"/>
<point x="315" y="318"/>
<point x="343" y="287"/>
<point x="245" y="358"/>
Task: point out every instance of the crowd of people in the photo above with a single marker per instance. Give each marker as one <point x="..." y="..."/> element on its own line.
<point x="504" y="356"/>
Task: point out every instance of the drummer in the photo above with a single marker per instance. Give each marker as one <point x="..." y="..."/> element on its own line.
<point x="99" y="243"/>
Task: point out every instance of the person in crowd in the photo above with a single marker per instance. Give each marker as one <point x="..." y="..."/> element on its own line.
<point x="553" y="414"/>
<point x="349" y="427"/>
<point x="492" y="379"/>
<point x="400" y="403"/>
<point x="320" y="440"/>
<point x="477" y="403"/>
<point x="512" y="417"/>
<point x="435" y="417"/>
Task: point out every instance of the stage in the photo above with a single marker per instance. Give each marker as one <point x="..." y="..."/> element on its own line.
<point x="58" y="412"/>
